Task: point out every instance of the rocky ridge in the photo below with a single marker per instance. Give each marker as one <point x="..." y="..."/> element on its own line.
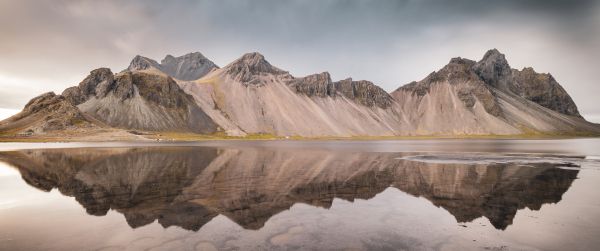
<point x="190" y="66"/>
<point x="518" y="101"/>
<point x="251" y="96"/>
<point x="363" y="92"/>
<point x="138" y="100"/>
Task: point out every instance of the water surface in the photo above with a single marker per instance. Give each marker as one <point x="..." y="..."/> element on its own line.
<point x="292" y="195"/>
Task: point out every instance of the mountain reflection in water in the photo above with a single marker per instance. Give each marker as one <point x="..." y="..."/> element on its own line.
<point x="189" y="186"/>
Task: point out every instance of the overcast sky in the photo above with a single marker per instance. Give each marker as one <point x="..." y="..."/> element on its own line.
<point x="50" y="45"/>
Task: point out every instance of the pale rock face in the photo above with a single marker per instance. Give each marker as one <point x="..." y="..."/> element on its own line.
<point x="191" y="66"/>
<point x="253" y="97"/>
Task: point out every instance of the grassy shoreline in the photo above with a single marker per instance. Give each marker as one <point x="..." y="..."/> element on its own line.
<point x="191" y="137"/>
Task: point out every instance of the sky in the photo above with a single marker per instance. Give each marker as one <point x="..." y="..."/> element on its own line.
<point x="49" y="45"/>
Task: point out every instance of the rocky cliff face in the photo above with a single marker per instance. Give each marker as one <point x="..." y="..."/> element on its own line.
<point x="48" y="113"/>
<point x="457" y="72"/>
<point x="493" y="98"/>
<point x="251" y="96"/>
<point x="543" y="89"/>
<point x="139" y="100"/>
<point x="250" y="67"/>
<point x="315" y="85"/>
<point x="363" y="92"/>
<point x="190" y="66"/>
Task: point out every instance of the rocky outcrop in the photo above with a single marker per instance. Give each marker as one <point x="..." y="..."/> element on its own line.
<point x="543" y="89"/>
<point x="494" y="70"/>
<point x="494" y="98"/>
<point x="315" y="85"/>
<point x="251" y="96"/>
<point x="468" y="86"/>
<point x="190" y="66"/>
<point x="139" y="100"/>
<point x="250" y="67"/>
<point x="139" y="63"/>
<point x="97" y="84"/>
<point x="364" y="92"/>
<point x="47" y="113"/>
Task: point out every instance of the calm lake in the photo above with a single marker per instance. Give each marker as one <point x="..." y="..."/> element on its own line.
<point x="302" y="195"/>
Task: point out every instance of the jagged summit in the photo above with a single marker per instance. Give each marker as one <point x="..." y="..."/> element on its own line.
<point x="251" y="96"/>
<point x="494" y="54"/>
<point x="190" y="66"/>
<point x="195" y="56"/>
<point x="48" y="113"/>
<point x="543" y="89"/>
<point x="511" y="99"/>
<point x="97" y="84"/>
<point x="494" y="69"/>
<point x="250" y="66"/>
<point x="139" y="63"/>
<point x="319" y="85"/>
<point x="364" y="92"/>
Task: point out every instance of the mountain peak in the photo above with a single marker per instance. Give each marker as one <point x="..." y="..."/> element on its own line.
<point x="139" y="63"/>
<point x="192" y="57"/>
<point x="253" y="60"/>
<point x="494" y="69"/>
<point x="492" y="52"/>
<point x="319" y="84"/>
<point x="190" y="66"/>
<point x="246" y="68"/>
<point x="495" y="56"/>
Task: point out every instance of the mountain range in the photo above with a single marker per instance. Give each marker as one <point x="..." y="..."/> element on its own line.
<point x="249" y="96"/>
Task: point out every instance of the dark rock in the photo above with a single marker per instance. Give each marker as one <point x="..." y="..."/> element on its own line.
<point x="48" y="112"/>
<point x="190" y="66"/>
<point x="97" y="84"/>
<point x="319" y="85"/>
<point x="495" y="70"/>
<point x="139" y="63"/>
<point x="459" y="71"/>
<point x="160" y="90"/>
<point x="123" y="86"/>
<point x="364" y="92"/>
<point x="250" y="67"/>
<point x="544" y="90"/>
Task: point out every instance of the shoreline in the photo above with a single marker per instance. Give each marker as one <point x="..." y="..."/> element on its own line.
<point x="185" y="137"/>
